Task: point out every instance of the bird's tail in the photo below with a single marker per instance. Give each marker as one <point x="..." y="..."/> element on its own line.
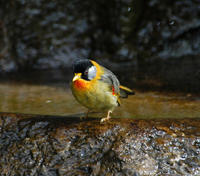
<point x="125" y="91"/>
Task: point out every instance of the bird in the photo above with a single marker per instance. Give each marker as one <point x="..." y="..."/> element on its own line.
<point x="96" y="87"/>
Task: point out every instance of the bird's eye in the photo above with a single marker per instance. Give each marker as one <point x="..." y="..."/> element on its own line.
<point x="86" y="72"/>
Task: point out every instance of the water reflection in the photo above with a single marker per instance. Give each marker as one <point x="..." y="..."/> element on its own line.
<point x="58" y="100"/>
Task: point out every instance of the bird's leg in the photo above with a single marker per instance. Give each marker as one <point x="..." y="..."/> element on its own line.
<point x="85" y="116"/>
<point x="106" y="118"/>
<point x="87" y="113"/>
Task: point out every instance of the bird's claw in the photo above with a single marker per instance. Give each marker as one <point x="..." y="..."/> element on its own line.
<point x="106" y="118"/>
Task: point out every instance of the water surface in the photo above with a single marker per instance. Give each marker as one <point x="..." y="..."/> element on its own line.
<point x="58" y="100"/>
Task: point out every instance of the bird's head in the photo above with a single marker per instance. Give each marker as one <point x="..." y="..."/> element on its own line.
<point x="84" y="69"/>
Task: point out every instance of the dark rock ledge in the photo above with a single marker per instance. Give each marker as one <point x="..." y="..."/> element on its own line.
<point x="51" y="145"/>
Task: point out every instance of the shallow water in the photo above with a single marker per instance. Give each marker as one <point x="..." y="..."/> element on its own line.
<point x="58" y="100"/>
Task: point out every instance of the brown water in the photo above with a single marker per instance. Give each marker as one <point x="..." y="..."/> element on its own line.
<point x="58" y="100"/>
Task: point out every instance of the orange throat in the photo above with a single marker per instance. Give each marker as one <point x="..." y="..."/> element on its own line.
<point x="80" y="84"/>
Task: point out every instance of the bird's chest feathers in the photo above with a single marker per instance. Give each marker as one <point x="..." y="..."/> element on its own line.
<point x="81" y="84"/>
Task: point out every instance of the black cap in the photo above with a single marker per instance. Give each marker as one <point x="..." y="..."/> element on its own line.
<point x="81" y="65"/>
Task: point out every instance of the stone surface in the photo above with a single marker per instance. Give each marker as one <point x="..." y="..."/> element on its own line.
<point x="51" y="145"/>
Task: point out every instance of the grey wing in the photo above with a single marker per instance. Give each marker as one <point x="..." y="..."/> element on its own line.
<point x="111" y="79"/>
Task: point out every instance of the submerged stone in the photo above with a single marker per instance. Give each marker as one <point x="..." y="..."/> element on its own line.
<point x="56" y="145"/>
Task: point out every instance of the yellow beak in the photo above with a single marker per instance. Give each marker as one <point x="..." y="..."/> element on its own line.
<point x="76" y="76"/>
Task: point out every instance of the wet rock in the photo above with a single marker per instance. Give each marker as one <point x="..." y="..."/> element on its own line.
<point x="48" y="145"/>
<point x="51" y="34"/>
<point x="156" y="41"/>
<point x="163" y="37"/>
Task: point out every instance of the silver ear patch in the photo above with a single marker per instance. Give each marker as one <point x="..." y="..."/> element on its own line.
<point x="92" y="71"/>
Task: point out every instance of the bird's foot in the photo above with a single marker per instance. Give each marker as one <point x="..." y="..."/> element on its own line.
<point x="106" y="118"/>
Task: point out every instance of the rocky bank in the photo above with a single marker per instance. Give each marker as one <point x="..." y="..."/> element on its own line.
<point x="57" y="145"/>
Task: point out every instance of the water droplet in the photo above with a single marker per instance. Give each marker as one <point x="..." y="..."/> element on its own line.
<point x="171" y="22"/>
